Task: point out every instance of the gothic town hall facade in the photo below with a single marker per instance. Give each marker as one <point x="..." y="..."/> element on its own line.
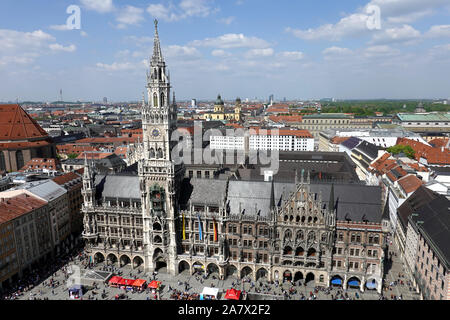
<point x="329" y="233"/>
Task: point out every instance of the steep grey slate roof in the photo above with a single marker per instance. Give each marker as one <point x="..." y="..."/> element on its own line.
<point x="352" y="202"/>
<point x="117" y="186"/>
<point x="435" y="216"/>
<point x="207" y="191"/>
<point x="251" y="196"/>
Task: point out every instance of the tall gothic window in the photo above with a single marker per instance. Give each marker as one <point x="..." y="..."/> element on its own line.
<point x="155" y="100"/>
<point x="2" y="161"/>
<point x="19" y="159"/>
<point x="162" y="99"/>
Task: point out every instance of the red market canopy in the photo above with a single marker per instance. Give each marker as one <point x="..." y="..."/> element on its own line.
<point x="126" y="282"/>
<point x="139" y="283"/>
<point x="233" y="294"/>
<point x="154" y="284"/>
<point x="115" y="280"/>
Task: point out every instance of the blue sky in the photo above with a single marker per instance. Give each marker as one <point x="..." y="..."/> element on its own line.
<point x="248" y="48"/>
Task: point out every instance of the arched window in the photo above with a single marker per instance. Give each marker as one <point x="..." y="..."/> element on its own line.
<point x="311" y="236"/>
<point x="162" y="99"/>
<point x="2" y="161"/>
<point x="155" y="100"/>
<point x="300" y="235"/>
<point x="19" y="159"/>
<point x="376" y="240"/>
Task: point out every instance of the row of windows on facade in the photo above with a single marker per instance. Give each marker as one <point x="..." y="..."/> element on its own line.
<point x="124" y="242"/>
<point x="199" y="174"/>
<point x="427" y="123"/>
<point x="436" y="276"/>
<point x="434" y="258"/>
<point x="356" y="237"/>
<point x="115" y="231"/>
<point x="123" y="220"/>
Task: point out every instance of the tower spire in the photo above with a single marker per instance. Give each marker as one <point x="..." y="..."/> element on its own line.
<point x="157" y="54"/>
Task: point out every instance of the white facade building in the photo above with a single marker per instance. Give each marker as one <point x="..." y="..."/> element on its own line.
<point x="261" y="139"/>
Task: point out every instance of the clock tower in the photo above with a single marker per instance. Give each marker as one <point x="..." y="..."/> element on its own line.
<point x="159" y="176"/>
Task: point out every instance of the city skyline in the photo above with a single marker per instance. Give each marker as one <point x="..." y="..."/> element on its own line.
<point x="237" y="48"/>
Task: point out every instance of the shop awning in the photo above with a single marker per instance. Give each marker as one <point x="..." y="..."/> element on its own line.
<point x="126" y="282"/>
<point x="233" y="294"/>
<point x="115" y="280"/>
<point x="337" y="281"/>
<point x="353" y="283"/>
<point x="154" y="284"/>
<point x="139" y="283"/>
<point x="207" y="291"/>
<point x="371" y="285"/>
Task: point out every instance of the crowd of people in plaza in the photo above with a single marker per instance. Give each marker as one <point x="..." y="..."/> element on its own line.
<point x="38" y="275"/>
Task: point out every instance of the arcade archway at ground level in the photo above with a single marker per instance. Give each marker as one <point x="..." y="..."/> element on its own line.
<point x="353" y="283"/>
<point x="138" y="262"/>
<point x="371" y="284"/>
<point x="161" y="265"/>
<point x="298" y="276"/>
<point x="99" y="257"/>
<point x="111" y="259"/>
<point x="310" y="278"/>
<point x="287" y="276"/>
<point x="261" y="273"/>
<point x="213" y="269"/>
<point x="184" y="268"/>
<point x="231" y="271"/>
<point x="246" y="272"/>
<point x="124" y="260"/>
<point x="198" y="267"/>
<point x="336" y="281"/>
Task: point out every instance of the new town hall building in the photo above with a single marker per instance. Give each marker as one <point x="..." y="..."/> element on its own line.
<point x="332" y="233"/>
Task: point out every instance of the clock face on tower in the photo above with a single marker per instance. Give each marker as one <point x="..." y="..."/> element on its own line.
<point x="156" y="133"/>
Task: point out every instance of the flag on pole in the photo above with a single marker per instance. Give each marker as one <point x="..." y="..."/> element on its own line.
<point x="215" y="230"/>
<point x="200" y="228"/>
<point x="184" y="229"/>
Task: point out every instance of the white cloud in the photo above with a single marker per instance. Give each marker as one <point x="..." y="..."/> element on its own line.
<point x="232" y="40"/>
<point x="439" y="31"/>
<point x="60" y="27"/>
<point x="254" y="53"/>
<point x="220" y="53"/>
<point x="130" y="16"/>
<point x="181" y="52"/>
<point x="405" y="33"/>
<point x="336" y="51"/>
<point x="101" y="6"/>
<point x="292" y="55"/>
<point x="59" y="47"/>
<point x="348" y="26"/>
<point x="185" y="9"/>
<point x="392" y="12"/>
<point x="116" y="66"/>
<point x="382" y="51"/>
<point x="407" y="11"/>
<point x="227" y="21"/>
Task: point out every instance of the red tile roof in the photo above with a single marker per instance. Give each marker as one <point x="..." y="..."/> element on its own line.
<point x="17" y="206"/>
<point x="16" y="124"/>
<point x="338" y="140"/>
<point x="410" y="183"/>
<point x="435" y="156"/>
<point x="41" y="163"/>
<point x="438" y="143"/>
<point x="290" y="118"/>
<point x="62" y="180"/>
